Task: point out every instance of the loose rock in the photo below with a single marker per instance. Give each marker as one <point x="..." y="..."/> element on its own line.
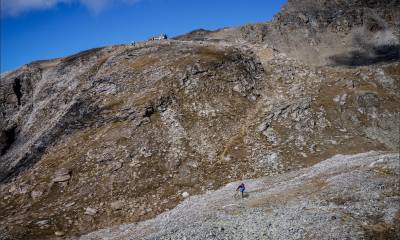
<point x="90" y="211"/>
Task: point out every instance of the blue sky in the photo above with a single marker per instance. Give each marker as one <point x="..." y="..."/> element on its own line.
<point x="43" y="29"/>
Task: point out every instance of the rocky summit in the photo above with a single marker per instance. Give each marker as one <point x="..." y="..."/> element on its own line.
<point x="145" y="137"/>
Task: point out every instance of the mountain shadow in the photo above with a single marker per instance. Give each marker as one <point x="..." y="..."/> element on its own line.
<point x="368" y="56"/>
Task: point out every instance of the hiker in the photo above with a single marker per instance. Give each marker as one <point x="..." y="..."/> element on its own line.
<point x="241" y="188"/>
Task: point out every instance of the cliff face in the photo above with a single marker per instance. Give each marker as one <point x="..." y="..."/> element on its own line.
<point x="117" y="134"/>
<point x="324" y="32"/>
<point x="345" y="32"/>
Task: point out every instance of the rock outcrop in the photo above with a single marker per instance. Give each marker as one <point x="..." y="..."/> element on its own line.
<point x="324" y="32"/>
<point x="344" y="32"/>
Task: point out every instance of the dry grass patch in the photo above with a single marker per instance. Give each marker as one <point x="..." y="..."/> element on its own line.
<point x="393" y="70"/>
<point x="298" y="191"/>
<point x="265" y="55"/>
<point x="342" y="200"/>
<point x="385" y="172"/>
<point x="143" y="62"/>
<point x="211" y="53"/>
<point x="380" y="230"/>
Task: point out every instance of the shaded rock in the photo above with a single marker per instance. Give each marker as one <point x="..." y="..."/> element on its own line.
<point x="368" y="102"/>
<point x="116" y="166"/>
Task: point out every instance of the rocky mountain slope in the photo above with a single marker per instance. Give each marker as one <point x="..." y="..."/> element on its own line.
<point x="324" y="32"/>
<point x="343" y="32"/>
<point x="344" y="197"/>
<point x="123" y="133"/>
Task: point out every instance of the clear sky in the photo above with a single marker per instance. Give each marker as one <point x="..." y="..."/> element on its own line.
<point x="43" y="29"/>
